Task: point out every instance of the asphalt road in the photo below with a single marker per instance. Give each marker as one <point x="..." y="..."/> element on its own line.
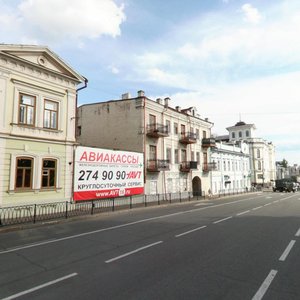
<point x="242" y="247"/>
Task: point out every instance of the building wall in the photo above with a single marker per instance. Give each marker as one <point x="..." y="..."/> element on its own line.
<point x="39" y="73"/>
<point x="123" y="124"/>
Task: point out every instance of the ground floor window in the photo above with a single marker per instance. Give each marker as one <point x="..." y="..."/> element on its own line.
<point x="48" y="173"/>
<point x="24" y="170"/>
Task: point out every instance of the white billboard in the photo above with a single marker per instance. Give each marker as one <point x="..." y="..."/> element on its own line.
<point x="103" y="173"/>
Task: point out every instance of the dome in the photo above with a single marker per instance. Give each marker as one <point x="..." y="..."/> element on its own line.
<point x="240" y="123"/>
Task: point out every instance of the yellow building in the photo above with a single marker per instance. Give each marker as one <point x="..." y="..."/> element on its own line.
<point x="38" y="93"/>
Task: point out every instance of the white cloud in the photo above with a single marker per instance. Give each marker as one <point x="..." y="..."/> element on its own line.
<point x="113" y="69"/>
<point x="252" y="14"/>
<point x="58" y="20"/>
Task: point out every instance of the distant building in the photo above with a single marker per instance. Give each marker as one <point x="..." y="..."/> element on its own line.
<point x="37" y="125"/>
<point x="231" y="172"/>
<point x="262" y="153"/>
<point x="175" y="142"/>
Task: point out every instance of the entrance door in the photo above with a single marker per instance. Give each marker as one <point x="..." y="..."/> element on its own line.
<point x="197" y="188"/>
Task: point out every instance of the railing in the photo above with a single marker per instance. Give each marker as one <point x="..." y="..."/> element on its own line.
<point x="208" y="142"/>
<point x="186" y="166"/>
<point x="63" y="210"/>
<point x="157" y="165"/>
<point x="157" y="130"/>
<point x="188" y="138"/>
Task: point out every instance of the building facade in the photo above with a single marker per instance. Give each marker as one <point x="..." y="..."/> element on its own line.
<point x="231" y="172"/>
<point x="175" y="142"/>
<point x="37" y="125"/>
<point x="262" y="154"/>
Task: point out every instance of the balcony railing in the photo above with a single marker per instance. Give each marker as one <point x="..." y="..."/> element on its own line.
<point x="208" y="142"/>
<point x="157" y="130"/>
<point x="207" y="167"/>
<point x="186" y="166"/>
<point x="157" y="165"/>
<point x="188" y="138"/>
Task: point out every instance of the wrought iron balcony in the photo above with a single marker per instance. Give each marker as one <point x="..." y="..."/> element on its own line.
<point x="186" y="166"/>
<point x="208" y="142"/>
<point x="157" y="130"/>
<point x="207" y="167"/>
<point x="157" y="165"/>
<point x="188" y="138"/>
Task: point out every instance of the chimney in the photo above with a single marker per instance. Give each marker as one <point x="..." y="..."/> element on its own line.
<point x="159" y="100"/>
<point x="178" y="108"/>
<point x="167" y="101"/>
<point x="141" y="93"/>
<point x="126" y="96"/>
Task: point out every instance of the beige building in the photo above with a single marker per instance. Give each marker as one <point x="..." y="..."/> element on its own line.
<point x="37" y="125"/>
<point x="175" y="142"/>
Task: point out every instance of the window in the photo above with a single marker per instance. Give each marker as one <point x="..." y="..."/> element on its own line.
<point x="233" y="135"/>
<point x="182" y="129"/>
<point x="176" y="156"/>
<point x="152" y="119"/>
<point x="168" y="124"/>
<point x="259" y="165"/>
<point x="183" y="155"/>
<point x="169" y="155"/>
<point x="27" y="110"/>
<point x="192" y="156"/>
<point x="224" y="165"/>
<point x="247" y="133"/>
<point x="152" y="152"/>
<point x="24" y="171"/>
<point x="49" y="173"/>
<point x="197" y="133"/>
<point x="258" y="153"/>
<point x="240" y="134"/>
<point x="175" y="128"/>
<point x="204" y="134"/>
<point x="50" y="114"/>
<point x="198" y="157"/>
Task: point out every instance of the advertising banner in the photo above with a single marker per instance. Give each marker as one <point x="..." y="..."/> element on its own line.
<point x="103" y="173"/>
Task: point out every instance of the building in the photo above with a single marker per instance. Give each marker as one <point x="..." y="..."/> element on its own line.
<point x="175" y="142"/>
<point x="231" y="172"/>
<point x="37" y="125"/>
<point x="262" y="153"/>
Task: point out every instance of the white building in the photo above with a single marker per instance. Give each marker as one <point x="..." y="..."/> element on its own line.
<point x="262" y="153"/>
<point x="231" y="172"/>
<point x="175" y="142"/>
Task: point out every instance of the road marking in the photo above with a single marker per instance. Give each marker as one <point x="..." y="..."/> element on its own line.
<point x="267" y="204"/>
<point x="222" y="220"/>
<point x="269" y="197"/>
<point x="40" y="287"/>
<point x="243" y="212"/>
<point x="190" y="231"/>
<point x="287" y="250"/>
<point x="132" y="252"/>
<point x="298" y="232"/>
<point x="258" y="207"/>
<point x="265" y="285"/>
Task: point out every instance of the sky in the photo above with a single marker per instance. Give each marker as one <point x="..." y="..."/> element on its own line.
<point x="233" y="60"/>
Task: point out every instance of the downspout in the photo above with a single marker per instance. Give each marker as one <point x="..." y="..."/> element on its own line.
<point x="75" y="133"/>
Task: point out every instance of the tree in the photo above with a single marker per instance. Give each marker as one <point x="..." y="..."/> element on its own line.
<point x="284" y="163"/>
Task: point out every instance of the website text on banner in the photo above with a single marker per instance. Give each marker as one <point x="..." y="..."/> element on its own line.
<point x="103" y="173"/>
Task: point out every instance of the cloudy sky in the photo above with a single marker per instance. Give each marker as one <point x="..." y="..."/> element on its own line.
<point x="233" y="60"/>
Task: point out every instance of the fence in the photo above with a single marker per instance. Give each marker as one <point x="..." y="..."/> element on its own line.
<point x="62" y="210"/>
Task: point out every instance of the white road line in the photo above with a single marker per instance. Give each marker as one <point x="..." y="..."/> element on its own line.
<point x="258" y="207"/>
<point x="39" y="287"/>
<point x="132" y="252"/>
<point x="298" y="232"/>
<point x="265" y="285"/>
<point x="222" y="220"/>
<point x="190" y="231"/>
<point x="243" y="212"/>
<point x="267" y="204"/>
<point x="287" y="250"/>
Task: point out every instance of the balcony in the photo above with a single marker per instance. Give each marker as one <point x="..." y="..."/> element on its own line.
<point x="186" y="166"/>
<point x="157" y="165"/>
<point x="208" y="142"/>
<point x="157" y="130"/>
<point x="188" y="138"/>
<point x="207" y="167"/>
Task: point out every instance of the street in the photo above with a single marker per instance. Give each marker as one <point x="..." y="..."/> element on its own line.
<point x="241" y="247"/>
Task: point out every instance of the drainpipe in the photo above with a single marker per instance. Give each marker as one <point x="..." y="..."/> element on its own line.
<point x="74" y="147"/>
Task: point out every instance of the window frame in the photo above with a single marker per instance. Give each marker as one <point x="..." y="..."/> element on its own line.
<point x="17" y="168"/>
<point x="51" y="114"/>
<point x="27" y="106"/>
<point x="49" y="169"/>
